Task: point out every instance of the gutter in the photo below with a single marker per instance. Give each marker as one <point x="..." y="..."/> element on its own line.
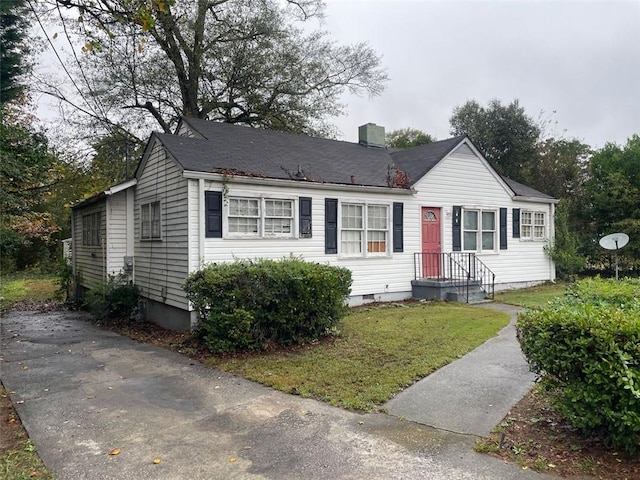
<point x="294" y="183"/>
<point x="519" y="198"/>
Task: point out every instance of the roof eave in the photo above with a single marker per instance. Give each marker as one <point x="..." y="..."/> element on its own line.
<point x="294" y="183"/>
<point x="522" y="198"/>
<point x="121" y="186"/>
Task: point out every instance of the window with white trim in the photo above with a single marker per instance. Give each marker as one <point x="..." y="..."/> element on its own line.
<point x="479" y="230"/>
<point x="150" y="221"/>
<point x="92" y="229"/>
<point x="260" y="217"/>
<point x="364" y="234"/>
<point x="533" y="225"/>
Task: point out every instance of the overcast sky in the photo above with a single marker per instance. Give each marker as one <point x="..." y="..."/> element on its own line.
<point x="579" y="59"/>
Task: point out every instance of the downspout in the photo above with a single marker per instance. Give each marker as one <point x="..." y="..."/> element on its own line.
<point x="202" y="222"/>
<point x="552" y="237"/>
<point x="74" y="269"/>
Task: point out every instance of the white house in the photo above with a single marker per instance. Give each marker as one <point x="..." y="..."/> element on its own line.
<point x="422" y="221"/>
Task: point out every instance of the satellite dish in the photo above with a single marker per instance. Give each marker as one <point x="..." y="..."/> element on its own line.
<point x="614" y="241"/>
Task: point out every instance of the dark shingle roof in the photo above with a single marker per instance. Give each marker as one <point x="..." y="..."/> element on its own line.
<point x="279" y="155"/>
<point x="417" y="161"/>
<point x="524" y="191"/>
<point x="239" y="150"/>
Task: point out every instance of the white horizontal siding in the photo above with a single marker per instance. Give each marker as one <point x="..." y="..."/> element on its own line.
<point x="465" y="180"/>
<point x="89" y="261"/>
<point x="117" y="234"/>
<point x="460" y="179"/>
<point x="371" y="275"/>
<point x="161" y="266"/>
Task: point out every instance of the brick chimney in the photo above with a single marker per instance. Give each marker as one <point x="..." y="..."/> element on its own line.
<point x="371" y="135"/>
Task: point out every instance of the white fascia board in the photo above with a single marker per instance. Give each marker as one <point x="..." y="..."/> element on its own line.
<point x="294" y="183"/>
<point x="121" y="186"/>
<point x="536" y="200"/>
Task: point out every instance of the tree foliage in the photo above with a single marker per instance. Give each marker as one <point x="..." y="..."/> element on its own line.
<point x="239" y="61"/>
<point x="613" y="190"/>
<point x="407" y="138"/>
<point x="565" y="250"/>
<point x="505" y="134"/>
<point x="13" y="49"/>
<point x="28" y="171"/>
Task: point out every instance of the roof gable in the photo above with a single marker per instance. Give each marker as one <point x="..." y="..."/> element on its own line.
<point x="204" y="146"/>
<point x="417" y="161"/>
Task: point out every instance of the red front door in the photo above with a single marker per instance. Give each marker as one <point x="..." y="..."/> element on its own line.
<point x="431" y="242"/>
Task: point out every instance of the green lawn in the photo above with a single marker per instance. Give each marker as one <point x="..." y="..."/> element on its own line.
<point x="534" y="296"/>
<point x="380" y="351"/>
<point x="18" y="288"/>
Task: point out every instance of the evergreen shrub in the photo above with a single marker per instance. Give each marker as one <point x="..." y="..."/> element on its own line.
<point x="115" y="298"/>
<point x="249" y="305"/>
<point x="587" y="348"/>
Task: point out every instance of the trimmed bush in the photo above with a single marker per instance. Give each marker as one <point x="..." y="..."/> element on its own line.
<point x="587" y="347"/>
<point x="248" y="305"/>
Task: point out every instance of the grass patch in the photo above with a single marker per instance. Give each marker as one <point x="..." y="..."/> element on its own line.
<point x="18" y="457"/>
<point x="534" y="296"/>
<point x="380" y="351"/>
<point x="19" y="288"/>
<point x="23" y="463"/>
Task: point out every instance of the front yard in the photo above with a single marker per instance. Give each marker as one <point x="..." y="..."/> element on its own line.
<point x="380" y="350"/>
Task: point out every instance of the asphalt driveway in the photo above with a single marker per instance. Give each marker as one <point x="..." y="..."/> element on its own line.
<point x="82" y="392"/>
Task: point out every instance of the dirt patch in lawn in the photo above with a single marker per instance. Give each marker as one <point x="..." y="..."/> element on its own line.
<point x="11" y="431"/>
<point x="537" y="437"/>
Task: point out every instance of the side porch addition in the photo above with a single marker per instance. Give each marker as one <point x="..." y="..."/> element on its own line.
<point x="455" y="276"/>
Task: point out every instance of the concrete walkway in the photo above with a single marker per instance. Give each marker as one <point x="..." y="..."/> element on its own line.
<point x="81" y="392"/>
<point x="474" y="393"/>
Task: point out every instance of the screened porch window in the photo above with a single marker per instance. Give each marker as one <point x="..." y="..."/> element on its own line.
<point x="91" y="229"/>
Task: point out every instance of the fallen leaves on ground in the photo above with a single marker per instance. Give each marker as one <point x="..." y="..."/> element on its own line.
<point x="536" y="436"/>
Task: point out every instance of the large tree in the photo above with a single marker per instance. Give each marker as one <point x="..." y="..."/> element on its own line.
<point x="505" y="134"/>
<point x="407" y="138"/>
<point x="28" y="172"/>
<point x="13" y="49"/>
<point x="240" y="61"/>
<point x="613" y="191"/>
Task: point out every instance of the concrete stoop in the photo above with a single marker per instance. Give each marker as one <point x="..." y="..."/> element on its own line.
<point x="446" y="290"/>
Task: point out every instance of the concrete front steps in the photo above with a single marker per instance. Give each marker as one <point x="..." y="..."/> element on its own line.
<point x="448" y="291"/>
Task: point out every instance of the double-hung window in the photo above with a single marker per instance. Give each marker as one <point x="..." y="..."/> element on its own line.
<point x="364" y="229"/>
<point x="479" y="230"/>
<point x="260" y="217"/>
<point x="533" y="225"/>
<point x="150" y="224"/>
<point x="278" y="217"/>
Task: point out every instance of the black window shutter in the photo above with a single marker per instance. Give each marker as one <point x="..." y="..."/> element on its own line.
<point x="398" y="240"/>
<point x="330" y="225"/>
<point x="213" y="207"/>
<point x="503" y="229"/>
<point x="305" y="217"/>
<point x="516" y="223"/>
<point x="457" y="233"/>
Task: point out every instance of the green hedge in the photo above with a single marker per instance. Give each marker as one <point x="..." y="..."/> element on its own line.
<point x="587" y="347"/>
<point x="248" y="305"/>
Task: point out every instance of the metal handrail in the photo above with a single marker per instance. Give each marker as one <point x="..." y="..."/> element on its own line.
<point x="461" y="269"/>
